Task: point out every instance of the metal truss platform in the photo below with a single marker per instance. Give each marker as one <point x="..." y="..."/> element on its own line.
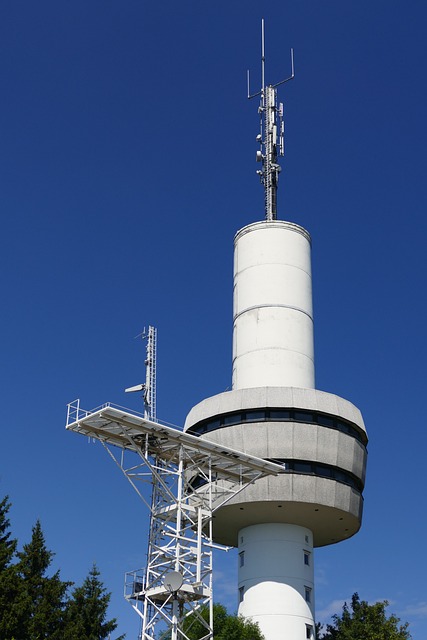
<point x="187" y="479"/>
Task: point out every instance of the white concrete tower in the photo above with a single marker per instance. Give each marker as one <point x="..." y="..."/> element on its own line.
<point x="275" y="412"/>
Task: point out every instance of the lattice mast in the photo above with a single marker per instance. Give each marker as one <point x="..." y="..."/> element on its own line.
<point x="149" y="386"/>
<point x="272" y="134"/>
<point x="150" y="374"/>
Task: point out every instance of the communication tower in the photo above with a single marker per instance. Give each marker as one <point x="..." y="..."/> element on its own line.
<point x="275" y="412"/>
<point x="274" y="467"/>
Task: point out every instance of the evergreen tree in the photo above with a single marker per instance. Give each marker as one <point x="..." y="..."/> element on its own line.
<point x="363" y="621"/>
<point x="38" y="610"/>
<point x="87" y="611"/>
<point x="7" y="544"/>
<point x="8" y="576"/>
<point x="34" y="605"/>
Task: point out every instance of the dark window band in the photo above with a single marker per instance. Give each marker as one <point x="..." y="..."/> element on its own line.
<point x="306" y="467"/>
<point x="279" y="415"/>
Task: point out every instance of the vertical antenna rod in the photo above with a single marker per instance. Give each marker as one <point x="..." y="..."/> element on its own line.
<point x="272" y="132"/>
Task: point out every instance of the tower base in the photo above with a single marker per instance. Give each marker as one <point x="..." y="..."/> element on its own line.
<point x="276" y="579"/>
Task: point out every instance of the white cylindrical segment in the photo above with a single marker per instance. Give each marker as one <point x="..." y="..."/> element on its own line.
<point x="276" y="580"/>
<point x="272" y="309"/>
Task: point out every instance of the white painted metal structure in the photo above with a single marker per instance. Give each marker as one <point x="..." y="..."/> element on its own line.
<point x="151" y="371"/>
<point x="190" y="479"/>
<point x="149" y="387"/>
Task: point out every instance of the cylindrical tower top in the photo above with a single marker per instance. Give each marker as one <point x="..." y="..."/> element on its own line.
<point x="272" y="310"/>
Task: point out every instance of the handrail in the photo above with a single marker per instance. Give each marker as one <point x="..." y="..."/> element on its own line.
<point x="76" y="413"/>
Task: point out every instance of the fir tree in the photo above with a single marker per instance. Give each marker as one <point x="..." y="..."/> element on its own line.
<point x="87" y="611"/>
<point x="9" y="585"/>
<point x="38" y="610"/>
<point x="7" y="544"/>
<point x="34" y="605"/>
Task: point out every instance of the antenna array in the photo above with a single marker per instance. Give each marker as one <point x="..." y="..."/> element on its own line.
<point x="272" y="134"/>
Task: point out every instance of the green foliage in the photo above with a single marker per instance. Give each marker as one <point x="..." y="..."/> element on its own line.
<point x="226" y="627"/>
<point x="194" y="627"/>
<point x="237" y="628"/>
<point x="8" y="574"/>
<point x="363" y="621"/>
<point x="87" y="611"/>
<point x="40" y="603"/>
<point x="7" y="544"/>
<point x="35" y="605"/>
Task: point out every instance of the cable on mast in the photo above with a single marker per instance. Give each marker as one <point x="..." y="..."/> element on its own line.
<point x="272" y="133"/>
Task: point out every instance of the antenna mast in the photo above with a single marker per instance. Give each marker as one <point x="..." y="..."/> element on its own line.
<point x="272" y="134"/>
<point x="150" y="374"/>
<point x="149" y="386"/>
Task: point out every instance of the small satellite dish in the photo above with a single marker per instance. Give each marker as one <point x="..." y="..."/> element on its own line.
<point x="173" y="581"/>
<point x="137" y="387"/>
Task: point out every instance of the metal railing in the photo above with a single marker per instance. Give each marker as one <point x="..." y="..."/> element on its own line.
<point x="76" y="413"/>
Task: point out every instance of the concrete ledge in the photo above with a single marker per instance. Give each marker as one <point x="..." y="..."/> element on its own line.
<point x="296" y="441"/>
<point x="261" y="397"/>
<point x="331" y="510"/>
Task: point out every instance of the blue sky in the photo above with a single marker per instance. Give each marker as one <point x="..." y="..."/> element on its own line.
<point x="127" y="163"/>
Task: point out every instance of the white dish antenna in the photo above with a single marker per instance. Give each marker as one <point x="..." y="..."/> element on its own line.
<point x="173" y="581"/>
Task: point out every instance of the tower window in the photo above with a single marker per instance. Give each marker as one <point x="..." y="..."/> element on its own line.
<point x="303" y="416"/>
<point x="280" y="415"/>
<point x="326" y="421"/>
<point x="308" y="631"/>
<point x="303" y="467"/>
<point x="242" y="559"/>
<point x="255" y="416"/>
<point x="307" y="558"/>
<point x="307" y="591"/>
<point x="241" y="593"/>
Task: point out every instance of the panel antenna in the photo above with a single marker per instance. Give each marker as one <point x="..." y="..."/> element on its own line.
<point x="272" y="133"/>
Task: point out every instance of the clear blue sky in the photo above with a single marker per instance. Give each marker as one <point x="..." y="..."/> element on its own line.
<point x="127" y="160"/>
